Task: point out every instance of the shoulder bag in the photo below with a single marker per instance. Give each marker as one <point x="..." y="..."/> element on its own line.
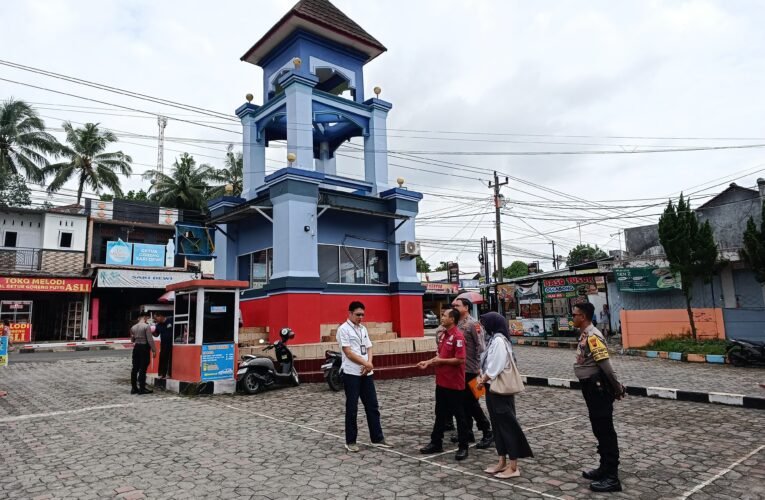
<point x="509" y="381"/>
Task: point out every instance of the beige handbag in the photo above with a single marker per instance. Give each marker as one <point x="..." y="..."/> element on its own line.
<point x="509" y="381"/>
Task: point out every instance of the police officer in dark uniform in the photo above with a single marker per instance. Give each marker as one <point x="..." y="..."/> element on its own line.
<point x="600" y="389"/>
<point x="164" y="329"/>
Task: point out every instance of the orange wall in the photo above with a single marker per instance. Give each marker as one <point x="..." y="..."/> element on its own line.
<point x="641" y="327"/>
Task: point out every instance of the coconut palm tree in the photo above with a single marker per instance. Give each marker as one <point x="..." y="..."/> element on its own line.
<point x="23" y="141"/>
<point x="186" y="186"/>
<point x="87" y="161"/>
<point x="230" y="174"/>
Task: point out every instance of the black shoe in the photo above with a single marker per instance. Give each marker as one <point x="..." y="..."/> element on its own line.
<point x="145" y="391"/>
<point x="431" y="448"/>
<point x="455" y="438"/>
<point x="133" y="391"/>
<point x="461" y="454"/>
<point x="606" y="485"/>
<point x="594" y="474"/>
<point x="486" y="441"/>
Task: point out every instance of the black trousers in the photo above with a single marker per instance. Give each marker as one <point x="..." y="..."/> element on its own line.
<point x="361" y="387"/>
<point x="165" y="368"/>
<point x="600" y="405"/>
<point x="141" y="359"/>
<point x="473" y="410"/>
<point x="449" y="402"/>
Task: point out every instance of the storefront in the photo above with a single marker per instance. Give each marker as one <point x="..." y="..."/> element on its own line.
<point x="120" y="293"/>
<point x="438" y="296"/>
<point x="44" y="309"/>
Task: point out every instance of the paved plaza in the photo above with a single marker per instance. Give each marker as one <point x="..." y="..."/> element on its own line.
<point x="70" y="429"/>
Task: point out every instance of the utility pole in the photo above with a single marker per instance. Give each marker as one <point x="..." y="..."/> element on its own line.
<point x="619" y="233"/>
<point x="162" y="123"/>
<point x="579" y="225"/>
<point x="555" y="259"/>
<point x="497" y="203"/>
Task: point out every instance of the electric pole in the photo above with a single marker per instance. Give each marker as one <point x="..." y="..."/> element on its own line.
<point x="555" y="259"/>
<point x="497" y="204"/>
<point x="619" y="233"/>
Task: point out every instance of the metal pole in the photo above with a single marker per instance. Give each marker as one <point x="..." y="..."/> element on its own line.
<point x="496" y="185"/>
<point x="555" y="259"/>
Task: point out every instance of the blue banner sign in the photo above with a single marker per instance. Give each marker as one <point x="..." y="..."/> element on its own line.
<point x="119" y="253"/>
<point x="217" y="362"/>
<point x="3" y="351"/>
<point x="148" y="255"/>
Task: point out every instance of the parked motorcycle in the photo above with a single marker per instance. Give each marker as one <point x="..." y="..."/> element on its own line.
<point x="333" y="372"/>
<point x="741" y="352"/>
<point x="258" y="372"/>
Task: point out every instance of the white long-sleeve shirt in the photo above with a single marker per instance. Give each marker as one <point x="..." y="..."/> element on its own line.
<point x="497" y="356"/>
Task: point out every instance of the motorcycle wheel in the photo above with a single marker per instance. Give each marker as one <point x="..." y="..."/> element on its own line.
<point x="736" y="358"/>
<point x="335" y="379"/>
<point x="295" y="379"/>
<point x="252" y="384"/>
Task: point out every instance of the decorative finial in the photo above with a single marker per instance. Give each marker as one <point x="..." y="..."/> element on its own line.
<point x="400" y="182"/>
<point x="248" y="97"/>
<point x="291" y="157"/>
<point x="377" y="91"/>
<point x="297" y="62"/>
<point x="229" y="189"/>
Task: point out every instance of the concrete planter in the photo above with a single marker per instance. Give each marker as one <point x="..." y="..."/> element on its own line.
<point x="716" y="358"/>
<point x="696" y="358"/>
<point x="677" y="356"/>
<point x="651" y="354"/>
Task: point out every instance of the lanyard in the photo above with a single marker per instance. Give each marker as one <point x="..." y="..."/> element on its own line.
<point x="362" y="346"/>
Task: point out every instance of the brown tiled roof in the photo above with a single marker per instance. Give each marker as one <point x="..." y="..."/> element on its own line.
<point x="325" y="15"/>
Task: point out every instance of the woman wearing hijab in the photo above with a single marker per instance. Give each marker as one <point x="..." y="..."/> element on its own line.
<point x="509" y="438"/>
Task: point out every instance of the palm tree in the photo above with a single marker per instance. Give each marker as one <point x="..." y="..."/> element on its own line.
<point x="23" y="141"/>
<point x="87" y="161"/>
<point x="185" y="187"/>
<point x="230" y="174"/>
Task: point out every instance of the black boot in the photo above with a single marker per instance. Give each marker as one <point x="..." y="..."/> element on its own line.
<point x="431" y="448"/>
<point x="607" y="484"/>
<point x="455" y="438"/>
<point x="461" y="454"/>
<point x="594" y="474"/>
<point x="134" y="390"/>
<point x="486" y="441"/>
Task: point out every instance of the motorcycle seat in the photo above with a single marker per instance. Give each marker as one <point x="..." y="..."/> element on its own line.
<point x="332" y="353"/>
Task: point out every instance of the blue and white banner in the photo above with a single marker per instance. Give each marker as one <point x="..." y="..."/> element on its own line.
<point x="217" y="361"/>
<point x="148" y="255"/>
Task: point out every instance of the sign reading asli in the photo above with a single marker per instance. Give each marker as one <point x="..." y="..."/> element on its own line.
<point x="73" y="285"/>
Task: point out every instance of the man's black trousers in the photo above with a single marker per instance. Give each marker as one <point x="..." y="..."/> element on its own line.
<point x="141" y="359"/>
<point x="600" y="404"/>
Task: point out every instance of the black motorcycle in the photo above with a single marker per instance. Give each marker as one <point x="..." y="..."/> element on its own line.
<point x="257" y="372"/>
<point x="333" y="371"/>
<point x="741" y="352"/>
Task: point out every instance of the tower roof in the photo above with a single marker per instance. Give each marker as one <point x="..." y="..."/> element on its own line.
<point x="321" y="18"/>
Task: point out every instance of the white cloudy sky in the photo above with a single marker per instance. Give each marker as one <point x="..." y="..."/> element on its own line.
<point x="498" y="76"/>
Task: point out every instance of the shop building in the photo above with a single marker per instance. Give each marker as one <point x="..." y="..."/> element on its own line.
<point x="44" y="291"/>
<point x="131" y="258"/>
<point x="308" y="240"/>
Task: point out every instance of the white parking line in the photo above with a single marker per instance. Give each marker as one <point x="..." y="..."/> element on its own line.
<point x="19" y="418"/>
<point x="720" y="474"/>
<point x="529" y="429"/>
<point x="447" y="467"/>
<point x="363" y="415"/>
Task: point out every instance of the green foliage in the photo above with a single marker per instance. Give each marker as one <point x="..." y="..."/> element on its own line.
<point x="186" y="187"/>
<point x="690" y="248"/>
<point x="422" y="265"/>
<point x="686" y="344"/>
<point x="584" y="253"/>
<point x="753" y="252"/>
<point x="14" y="191"/>
<point x="516" y="269"/>
<point x="442" y="266"/>
<point x="24" y="143"/>
<point x="231" y="174"/>
<point x="87" y="161"/>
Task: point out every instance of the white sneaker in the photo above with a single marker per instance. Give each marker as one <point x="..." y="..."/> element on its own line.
<point x="382" y="444"/>
<point x="352" y="447"/>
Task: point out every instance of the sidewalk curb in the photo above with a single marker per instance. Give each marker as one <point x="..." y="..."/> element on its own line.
<point x="717" y="359"/>
<point x="75" y="348"/>
<point x="722" y="398"/>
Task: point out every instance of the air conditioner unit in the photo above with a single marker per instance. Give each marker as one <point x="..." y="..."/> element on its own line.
<point x="410" y="249"/>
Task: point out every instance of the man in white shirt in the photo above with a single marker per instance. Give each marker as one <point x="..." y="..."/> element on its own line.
<point x="357" y="367"/>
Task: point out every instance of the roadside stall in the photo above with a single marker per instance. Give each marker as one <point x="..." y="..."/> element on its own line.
<point x="205" y="338"/>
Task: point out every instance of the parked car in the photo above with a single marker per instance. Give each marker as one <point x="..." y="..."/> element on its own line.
<point x="430" y="320"/>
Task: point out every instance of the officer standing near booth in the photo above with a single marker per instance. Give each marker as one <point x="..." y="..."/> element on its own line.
<point x="143" y="348"/>
<point x="600" y="389"/>
<point x="165" y="332"/>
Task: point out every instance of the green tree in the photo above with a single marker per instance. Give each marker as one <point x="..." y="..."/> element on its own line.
<point x="14" y="191"/>
<point x="753" y="252"/>
<point x="24" y="143"/>
<point x="584" y="253"/>
<point x="422" y="265"/>
<point x="230" y="174"/>
<point x="186" y="186"/>
<point x="517" y="269"/>
<point x="442" y="266"/>
<point x="690" y="248"/>
<point x="88" y="162"/>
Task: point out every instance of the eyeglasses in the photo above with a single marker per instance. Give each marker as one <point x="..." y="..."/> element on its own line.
<point x="360" y="315"/>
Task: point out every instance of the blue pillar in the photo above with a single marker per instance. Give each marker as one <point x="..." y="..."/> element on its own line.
<point x="326" y="163"/>
<point x="404" y="203"/>
<point x="298" y="91"/>
<point x="253" y="154"/>
<point x="376" y="146"/>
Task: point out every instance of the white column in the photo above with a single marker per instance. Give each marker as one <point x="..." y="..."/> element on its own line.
<point x="299" y="94"/>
